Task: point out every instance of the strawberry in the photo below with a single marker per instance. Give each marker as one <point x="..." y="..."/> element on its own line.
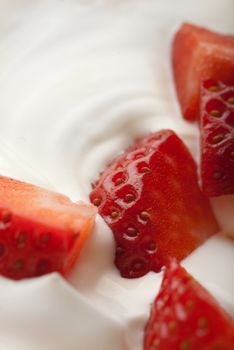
<point x="184" y="316"/>
<point x="217" y="138"/>
<point x="149" y="197"/>
<point x="199" y="54"/>
<point x="40" y="231"/>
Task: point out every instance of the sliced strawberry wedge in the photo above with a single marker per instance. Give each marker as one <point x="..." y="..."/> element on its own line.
<point x="185" y="316"/>
<point x="217" y="138"/>
<point x="40" y="231"/>
<point x="198" y="54"/>
<point x="149" y="196"/>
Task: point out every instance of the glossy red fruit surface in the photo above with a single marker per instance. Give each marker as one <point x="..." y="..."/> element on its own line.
<point x="217" y="138"/>
<point x="184" y="316"/>
<point x="199" y="54"/>
<point x="40" y="231"/>
<point x="149" y="197"/>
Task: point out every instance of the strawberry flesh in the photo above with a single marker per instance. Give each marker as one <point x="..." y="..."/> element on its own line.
<point x="149" y="197"/>
<point x="198" y="54"/>
<point x="40" y="231"/>
<point x="217" y="138"/>
<point x="185" y="316"/>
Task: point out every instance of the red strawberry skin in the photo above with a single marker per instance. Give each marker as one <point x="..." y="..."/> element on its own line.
<point x="198" y="54"/>
<point x="150" y="199"/>
<point x="40" y="231"/>
<point x="217" y="138"/>
<point x="185" y="316"/>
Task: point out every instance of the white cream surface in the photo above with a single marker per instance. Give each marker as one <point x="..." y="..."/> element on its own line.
<point x="79" y="80"/>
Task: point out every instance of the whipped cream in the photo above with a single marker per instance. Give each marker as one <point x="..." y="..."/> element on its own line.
<point x="79" y="80"/>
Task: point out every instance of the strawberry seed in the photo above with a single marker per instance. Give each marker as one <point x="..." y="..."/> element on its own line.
<point x="214" y="88"/>
<point x="231" y="100"/>
<point x="189" y="305"/>
<point x="202" y="323"/>
<point x="97" y="202"/>
<point x="218" y="175"/>
<point x="119" y="178"/>
<point x="172" y="326"/>
<point x="114" y="214"/>
<point x="129" y="198"/>
<point x="215" y="113"/>
<point x="118" y="181"/>
<point x="21" y="239"/>
<point x="144" y="215"/>
<point x="151" y="247"/>
<point x="217" y="138"/>
<point x="184" y="345"/>
<point x="144" y="169"/>
<point x="18" y="265"/>
<point x="132" y="232"/>
<point x="44" y="239"/>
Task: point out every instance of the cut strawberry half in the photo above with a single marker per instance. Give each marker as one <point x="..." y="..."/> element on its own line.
<point x="217" y="138"/>
<point x="185" y="316"/>
<point x="149" y="197"/>
<point x="198" y="54"/>
<point x="40" y="231"/>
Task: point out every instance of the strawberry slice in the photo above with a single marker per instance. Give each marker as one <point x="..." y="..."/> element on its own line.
<point x="40" y="231"/>
<point x="185" y="316"/>
<point x="198" y="54"/>
<point x="217" y="138"/>
<point x="149" y="197"/>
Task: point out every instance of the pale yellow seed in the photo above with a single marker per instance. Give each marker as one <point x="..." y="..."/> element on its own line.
<point x="214" y="88"/>
<point x="114" y="214"/>
<point x="215" y="113"/>
<point x="144" y="215"/>
<point x="231" y="100"/>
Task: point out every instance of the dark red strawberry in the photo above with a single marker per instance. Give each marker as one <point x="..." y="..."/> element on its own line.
<point x="40" y="231"/>
<point x="198" y="54"/>
<point x="149" y="197"/>
<point x="217" y="138"/>
<point x="185" y="316"/>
